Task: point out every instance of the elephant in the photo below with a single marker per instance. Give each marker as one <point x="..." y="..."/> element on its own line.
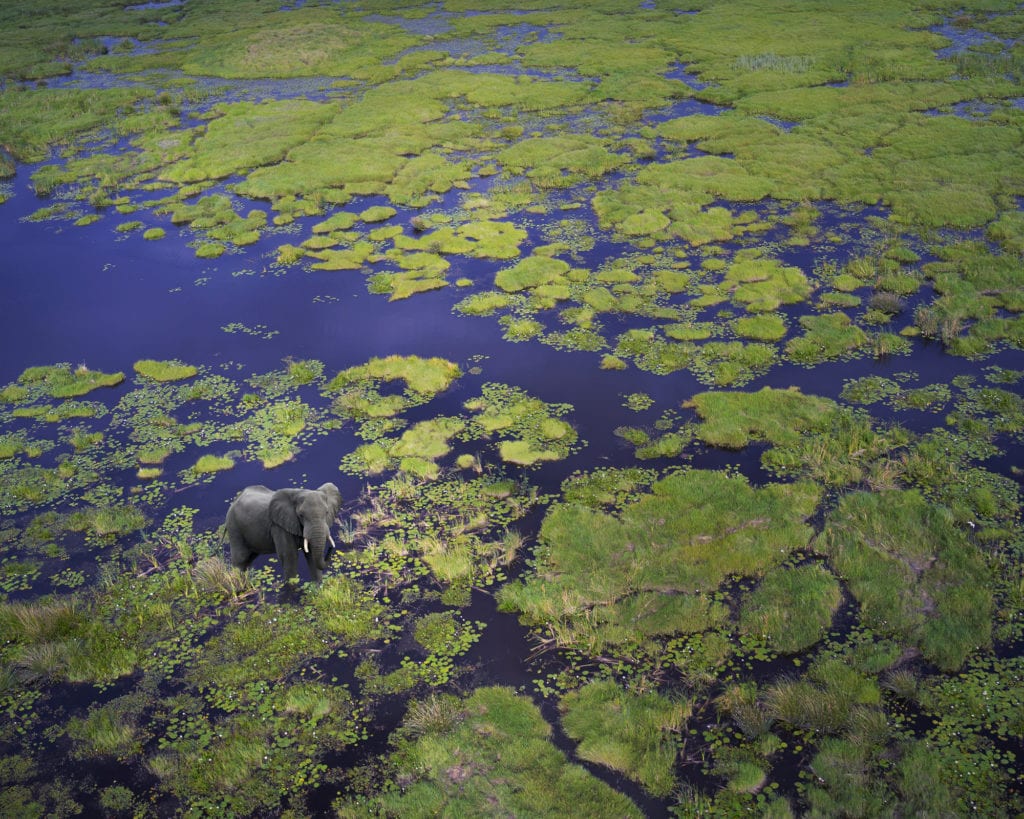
<point x="261" y="521"/>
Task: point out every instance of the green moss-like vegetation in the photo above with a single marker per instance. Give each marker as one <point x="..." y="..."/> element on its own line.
<point x="165" y="370"/>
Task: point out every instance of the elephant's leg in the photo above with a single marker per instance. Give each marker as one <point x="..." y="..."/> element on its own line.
<point x="287" y="547"/>
<point x="242" y="556"/>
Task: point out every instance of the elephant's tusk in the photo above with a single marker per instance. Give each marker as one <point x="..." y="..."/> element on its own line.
<point x="331" y="541"/>
<point x="305" y="546"/>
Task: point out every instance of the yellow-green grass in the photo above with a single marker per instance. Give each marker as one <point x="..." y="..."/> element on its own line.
<point x="213" y="463"/>
<point x="792" y="609"/>
<point x="531" y="272"/>
<point x="766" y="327"/>
<point x="164" y="370"/>
<point x="827" y="337"/>
<point x="734" y="419"/>
<point x="547" y="160"/>
<point x="32" y="120"/>
<point x="306" y="42"/>
<point x="60" y="381"/>
<point x="427" y="376"/>
<point x="763" y="284"/>
<point x="248" y="135"/>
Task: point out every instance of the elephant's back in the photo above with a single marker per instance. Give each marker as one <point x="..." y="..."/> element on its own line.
<point x="250" y="499"/>
<point x="256" y="493"/>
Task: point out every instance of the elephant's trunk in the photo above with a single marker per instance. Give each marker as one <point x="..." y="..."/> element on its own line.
<point x="314" y="542"/>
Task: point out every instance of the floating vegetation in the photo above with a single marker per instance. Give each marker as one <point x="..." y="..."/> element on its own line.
<point x="164" y="370"/>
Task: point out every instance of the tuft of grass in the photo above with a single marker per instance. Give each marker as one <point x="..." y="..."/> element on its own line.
<point x="496" y="758"/>
<point x="792" y="609"/>
<point x="630" y="733"/>
<point x="208" y="464"/>
<point x="165" y="370"/>
<point x="915" y="574"/>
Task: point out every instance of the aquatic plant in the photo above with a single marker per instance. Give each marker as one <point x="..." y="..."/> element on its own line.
<point x="164" y="370"/>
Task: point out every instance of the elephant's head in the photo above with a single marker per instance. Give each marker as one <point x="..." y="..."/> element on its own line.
<point x="308" y="514"/>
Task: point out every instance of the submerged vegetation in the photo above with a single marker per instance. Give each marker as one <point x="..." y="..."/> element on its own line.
<point x="765" y="599"/>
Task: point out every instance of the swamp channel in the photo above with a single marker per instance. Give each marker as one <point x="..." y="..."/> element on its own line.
<point x="666" y="355"/>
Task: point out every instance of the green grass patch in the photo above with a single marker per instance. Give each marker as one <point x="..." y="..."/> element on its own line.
<point x="767" y="327"/>
<point x="165" y="370"/>
<point x="604" y="580"/>
<point x="491" y="752"/>
<point x="733" y="419"/>
<point x="212" y="463"/>
<point x="827" y="337"/>
<point x="629" y="733"/>
<point x="913" y="570"/>
<point x="792" y="609"/>
<point x="530" y="273"/>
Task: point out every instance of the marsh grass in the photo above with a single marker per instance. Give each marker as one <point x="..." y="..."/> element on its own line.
<point x="733" y="419"/>
<point x="214" y="575"/>
<point x="827" y="337"/>
<point x="792" y="609"/>
<point x="630" y="733"/>
<point x="498" y="757"/>
<point x="928" y="587"/>
<point x="165" y="370"/>
<point x="59" y="381"/>
<point x="608" y="580"/>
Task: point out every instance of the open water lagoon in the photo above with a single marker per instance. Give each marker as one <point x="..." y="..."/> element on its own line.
<point x="666" y="355"/>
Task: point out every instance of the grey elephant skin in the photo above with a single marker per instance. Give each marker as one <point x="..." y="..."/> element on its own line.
<point x="286" y="521"/>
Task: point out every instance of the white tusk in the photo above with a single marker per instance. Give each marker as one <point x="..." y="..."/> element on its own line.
<point x="305" y="546"/>
<point x="331" y="539"/>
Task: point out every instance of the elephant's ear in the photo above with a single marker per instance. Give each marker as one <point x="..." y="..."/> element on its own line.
<point x="332" y="495"/>
<point x="283" y="514"/>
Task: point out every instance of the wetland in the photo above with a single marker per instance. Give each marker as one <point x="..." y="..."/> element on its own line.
<point x="667" y="356"/>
